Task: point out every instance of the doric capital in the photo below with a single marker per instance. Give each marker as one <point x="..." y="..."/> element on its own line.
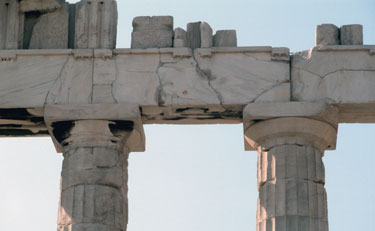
<point x="301" y="123"/>
<point x="92" y="125"/>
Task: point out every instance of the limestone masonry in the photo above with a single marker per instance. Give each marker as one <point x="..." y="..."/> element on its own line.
<point x="62" y="76"/>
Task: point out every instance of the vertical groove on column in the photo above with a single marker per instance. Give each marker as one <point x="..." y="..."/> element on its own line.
<point x="291" y="190"/>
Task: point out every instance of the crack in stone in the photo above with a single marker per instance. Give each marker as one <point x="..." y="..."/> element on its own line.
<point x="113" y="82"/>
<point x="254" y="58"/>
<point x="55" y="82"/>
<point x="268" y="89"/>
<point x="96" y="184"/>
<point x="160" y="89"/>
<point x="92" y="79"/>
<point x="274" y="179"/>
<point x="203" y="73"/>
<point x="332" y="72"/>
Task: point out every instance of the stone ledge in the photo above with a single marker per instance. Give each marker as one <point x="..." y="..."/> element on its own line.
<point x="370" y="48"/>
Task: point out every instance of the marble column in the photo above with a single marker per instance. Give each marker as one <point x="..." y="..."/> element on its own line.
<point x="291" y="173"/>
<point x="95" y="166"/>
<point x="94" y="178"/>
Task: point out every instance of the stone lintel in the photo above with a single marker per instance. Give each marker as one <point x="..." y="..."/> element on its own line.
<point x="115" y="113"/>
<point x="312" y="122"/>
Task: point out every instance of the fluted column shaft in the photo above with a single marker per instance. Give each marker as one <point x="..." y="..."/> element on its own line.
<point x="291" y="189"/>
<point x="291" y="174"/>
<point x="93" y="179"/>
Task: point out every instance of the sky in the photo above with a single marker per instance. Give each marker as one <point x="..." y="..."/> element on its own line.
<point x="199" y="177"/>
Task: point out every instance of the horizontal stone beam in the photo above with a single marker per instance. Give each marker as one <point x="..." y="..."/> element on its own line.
<point x="181" y="85"/>
<point x="171" y="85"/>
<point x="341" y="75"/>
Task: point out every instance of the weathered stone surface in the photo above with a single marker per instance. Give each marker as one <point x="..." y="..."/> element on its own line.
<point x="40" y="5"/>
<point x="11" y="25"/>
<point x="351" y="34"/>
<point x="327" y="34"/>
<point x="51" y="30"/>
<point x="180" y="38"/>
<point x="96" y="24"/>
<point x="225" y="38"/>
<point x="182" y="82"/>
<point x="156" y="31"/>
<point x="206" y="35"/>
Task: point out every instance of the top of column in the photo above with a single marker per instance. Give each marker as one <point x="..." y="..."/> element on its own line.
<point x="302" y="123"/>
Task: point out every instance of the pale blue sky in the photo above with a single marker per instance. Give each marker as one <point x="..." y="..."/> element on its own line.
<point x="198" y="177"/>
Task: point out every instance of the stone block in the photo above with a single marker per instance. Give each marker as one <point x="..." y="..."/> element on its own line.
<point x="327" y="34"/>
<point x="351" y="34"/>
<point x="194" y="35"/>
<point x="152" y="32"/>
<point x="51" y="30"/>
<point x="180" y="39"/>
<point x="199" y="35"/>
<point x="225" y="38"/>
<point x="342" y="75"/>
<point x="40" y="5"/>
<point x="206" y="35"/>
<point x="96" y="24"/>
<point x="11" y="24"/>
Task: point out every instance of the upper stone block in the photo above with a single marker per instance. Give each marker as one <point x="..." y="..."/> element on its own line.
<point x="50" y="31"/>
<point x="199" y="35"/>
<point x="327" y="34"/>
<point x="225" y="38"/>
<point x="180" y="39"/>
<point x="95" y="24"/>
<point x="156" y="31"/>
<point x="351" y="34"/>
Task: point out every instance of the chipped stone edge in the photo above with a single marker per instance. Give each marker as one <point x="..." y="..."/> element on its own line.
<point x="332" y="48"/>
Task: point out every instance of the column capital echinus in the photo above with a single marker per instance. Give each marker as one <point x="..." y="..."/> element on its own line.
<point x="267" y="125"/>
<point x="93" y="125"/>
